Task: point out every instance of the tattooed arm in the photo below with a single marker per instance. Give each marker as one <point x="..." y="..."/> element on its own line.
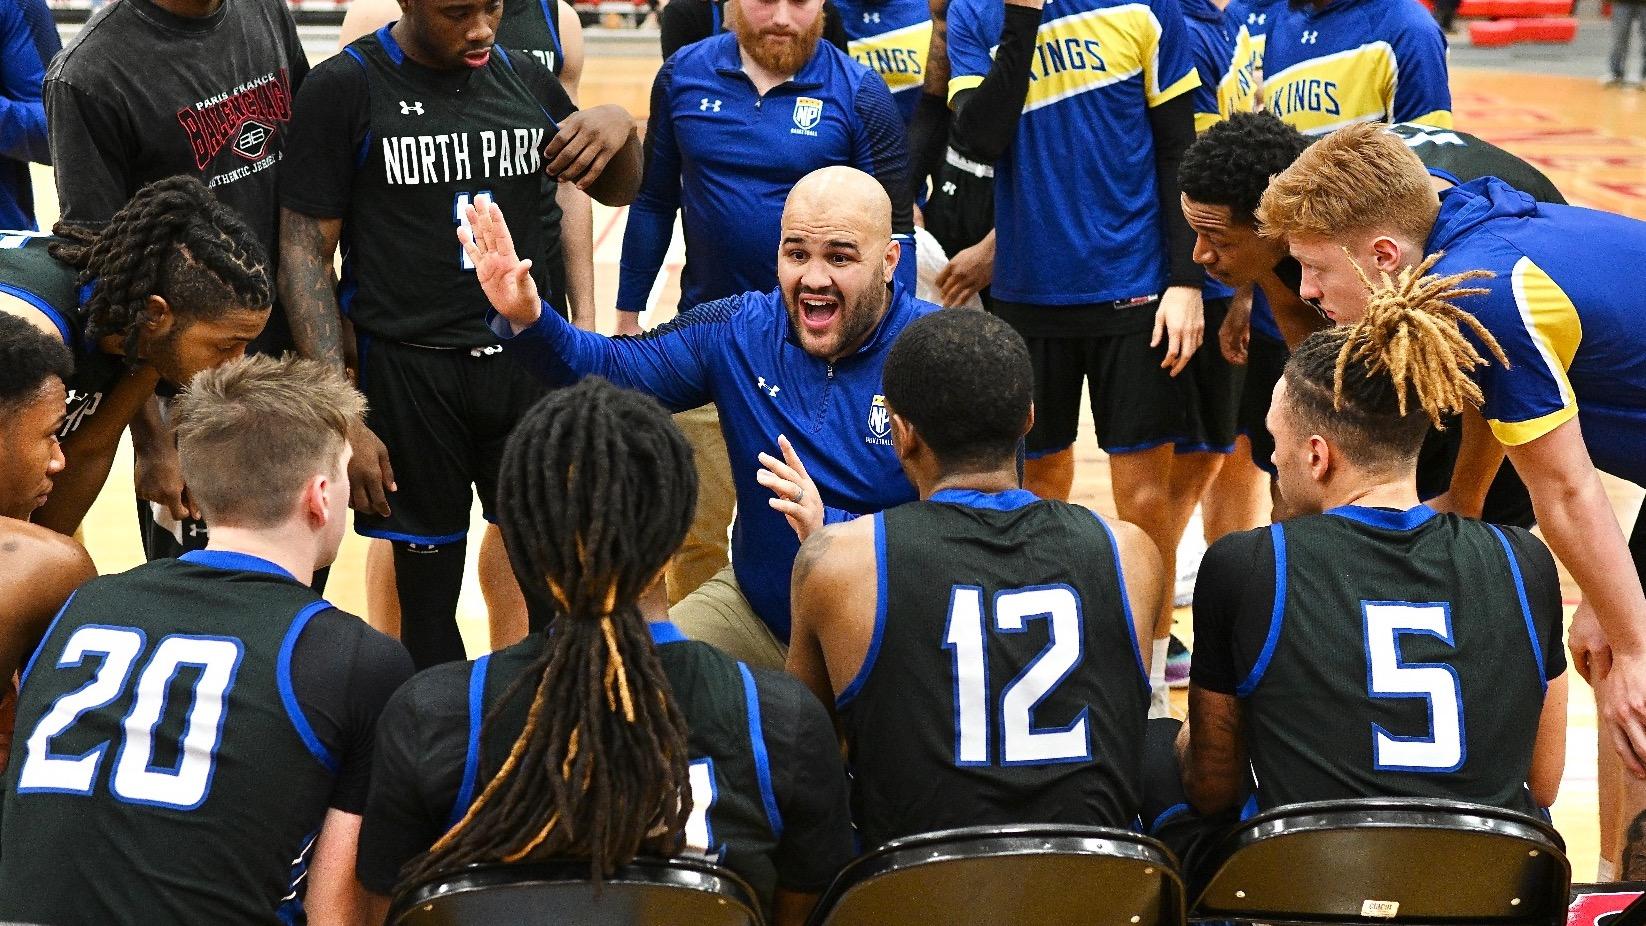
<point x="833" y="608"/>
<point x="308" y="291"/>
<point x="1211" y="750"/>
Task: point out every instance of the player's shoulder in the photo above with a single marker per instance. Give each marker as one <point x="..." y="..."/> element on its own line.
<point x="343" y="633"/>
<point x="1242" y="551"/>
<point x="787" y="707"/>
<point x="89" y="58"/>
<point x="435" y="696"/>
<point x="837" y="554"/>
<point x="1402" y="18"/>
<point x="33" y="557"/>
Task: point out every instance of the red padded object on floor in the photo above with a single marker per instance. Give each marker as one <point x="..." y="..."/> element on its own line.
<point x="1561" y="29"/>
<point x="1493" y="34"/>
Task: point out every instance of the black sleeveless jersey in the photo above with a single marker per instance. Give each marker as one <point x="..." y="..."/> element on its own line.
<point x="1004" y="683"/>
<point x="735" y="819"/>
<point x="533" y="27"/>
<point x="1461" y="157"/>
<point x="162" y="770"/>
<point x="436" y="141"/>
<point x="30" y="273"/>
<point x="1402" y="659"/>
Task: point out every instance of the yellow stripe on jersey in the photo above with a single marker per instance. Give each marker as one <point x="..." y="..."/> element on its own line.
<point x="1440" y="119"/>
<point x="1550" y="318"/>
<point x="1238" y="91"/>
<point x="898" y="56"/>
<point x="1322" y="95"/>
<point x="1093" y="49"/>
<point x="1204" y="121"/>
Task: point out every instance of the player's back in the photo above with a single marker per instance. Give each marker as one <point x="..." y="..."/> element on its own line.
<point x="163" y="770"/>
<point x="1460" y="157"/>
<point x="1402" y="658"/>
<point x="1004" y="683"/>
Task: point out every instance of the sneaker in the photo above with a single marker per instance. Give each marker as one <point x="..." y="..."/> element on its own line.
<point x="1177" y="664"/>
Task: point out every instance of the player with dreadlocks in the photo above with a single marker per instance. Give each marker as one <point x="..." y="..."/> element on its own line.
<point x="598" y="728"/>
<point x="1570" y="401"/>
<point x="174" y="284"/>
<point x="1308" y="669"/>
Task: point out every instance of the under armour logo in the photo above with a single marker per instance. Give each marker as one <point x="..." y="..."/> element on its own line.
<point x="1257" y="19"/>
<point x="1309" y="38"/>
<point x="949" y="188"/>
<point x="706" y="104"/>
<point x="760" y="383"/>
<point x="421" y="547"/>
<point x="407" y="109"/>
<point x="487" y="351"/>
<point x="196" y="528"/>
<point x="871" y="17"/>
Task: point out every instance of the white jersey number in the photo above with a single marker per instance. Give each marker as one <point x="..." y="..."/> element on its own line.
<point x="1436" y="683"/>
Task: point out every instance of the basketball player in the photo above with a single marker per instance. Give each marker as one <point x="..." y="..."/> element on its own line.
<point x="751" y="747"/>
<point x="1572" y="396"/>
<point x="209" y="718"/>
<point x="1330" y="63"/>
<point x="1039" y="603"/>
<point x="1094" y="266"/>
<point x="891" y="38"/>
<point x="39" y="568"/>
<point x="399" y="131"/>
<point x="551" y="33"/>
<point x="173" y="284"/>
<point x="795" y="370"/>
<point x="1224" y="175"/>
<point x="1433" y="666"/>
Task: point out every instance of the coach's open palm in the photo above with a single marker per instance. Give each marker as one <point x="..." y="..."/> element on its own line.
<point x="503" y="276"/>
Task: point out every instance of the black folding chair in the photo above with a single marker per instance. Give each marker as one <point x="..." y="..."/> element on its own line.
<point x="1040" y="874"/>
<point x="1402" y="861"/>
<point x="647" y="892"/>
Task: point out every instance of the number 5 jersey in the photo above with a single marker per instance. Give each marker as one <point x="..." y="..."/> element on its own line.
<point x="181" y="732"/>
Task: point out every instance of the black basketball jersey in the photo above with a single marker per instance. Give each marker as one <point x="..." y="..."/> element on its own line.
<point x="162" y="770"/>
<point x="1004" y="683"/>
<point x="1402" y="659"/>
<point x="30" y="273"/>
<point x="1462" y="157"/>
<point x="533" y="27"/>
<point x="734" y="817"/>
<point x="437" y="141"/>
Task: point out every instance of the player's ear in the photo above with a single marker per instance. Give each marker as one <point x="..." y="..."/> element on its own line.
<point x="1028" y="423"/>
<point x="905" y="439"/>
<point x="1387" y="253"/>
<point x="1320" y="458"/>
<point x="158" y="317"/>
<point x="316" y="504"/>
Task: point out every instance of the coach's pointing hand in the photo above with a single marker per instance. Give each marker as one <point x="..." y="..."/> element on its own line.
<point x="794" y="494"/>
<point x="504" y="277"/>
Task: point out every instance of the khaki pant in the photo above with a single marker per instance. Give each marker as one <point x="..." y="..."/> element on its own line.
<point x="718" y="614"/>
<point x="707" y="548"/>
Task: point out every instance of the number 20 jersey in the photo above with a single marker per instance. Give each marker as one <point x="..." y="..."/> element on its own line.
<point x="1402" y="658"/>
<point x="1004" y="683"/>
<point x="162" y="771"/>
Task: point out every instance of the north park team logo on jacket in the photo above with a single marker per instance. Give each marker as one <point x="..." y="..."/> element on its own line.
<point x="808" y="112"/>
<point x="880" y="422"/>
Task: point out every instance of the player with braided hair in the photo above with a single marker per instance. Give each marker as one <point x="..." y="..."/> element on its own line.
<point x="1306" y="668"/>
<point x="174" y="284"/>
<point x="597" y="729"/>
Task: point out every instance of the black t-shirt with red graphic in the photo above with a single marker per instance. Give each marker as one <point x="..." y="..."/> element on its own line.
<point x="141" y="94"/>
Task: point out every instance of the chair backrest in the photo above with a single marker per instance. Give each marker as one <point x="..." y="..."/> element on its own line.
<point x="647" y="892"/>
<point x="1391" y="860"/>
<point x="1044" y="874"/>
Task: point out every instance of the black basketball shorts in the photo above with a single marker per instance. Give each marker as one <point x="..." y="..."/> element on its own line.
<point x="444" y="414"/>
<point x="1265" y="361"/>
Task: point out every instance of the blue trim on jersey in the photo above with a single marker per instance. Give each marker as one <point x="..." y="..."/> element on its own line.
<point x="551" y="20"/>
<point x="757" y="739"/>
<point x="846" y="697"/>
<point x="43" y="306"/>
<point x="1276" y="617"/>
<point x="1250" y="808"/>
<point x="354" y="53"/>
<point x="288" y="697"/>
<point x="1170" y="813"/>
<point x="235" y="562"/>
<point x="1125" y="600"/>
<point x="431" y="540"/>
<point x="714" y="18"/>
<point x="1009" y="500"/>
<point x="396" y="54"/>
<point x="1445" y="175"/>
<point x="1385" y="518"/>
<point x="1525" y="605"/>
<point x="28" y="667"/>
<point x="1203" y="447"/>
<point x="471" y="760"/>
<point x="665" y="632"/>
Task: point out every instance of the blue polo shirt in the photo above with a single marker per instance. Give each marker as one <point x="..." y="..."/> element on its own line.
<point x="740" y="354"/>
<point x="725" y="157"/>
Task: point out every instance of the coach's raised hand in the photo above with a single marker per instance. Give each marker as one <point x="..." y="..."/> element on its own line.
<point x="598" y="150"/>
<point x="504" y="277"/>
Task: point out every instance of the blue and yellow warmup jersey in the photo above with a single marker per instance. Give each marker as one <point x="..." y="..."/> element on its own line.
<point x="1569" y="324"/>
<point x="1355" y="61"/>
<point x="1076" y="206"/>
<point x="891" y="37"/>
<point x="1251" y="20"/>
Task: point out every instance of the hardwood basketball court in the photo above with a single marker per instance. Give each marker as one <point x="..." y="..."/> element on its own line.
<point x="1591" y="142"/>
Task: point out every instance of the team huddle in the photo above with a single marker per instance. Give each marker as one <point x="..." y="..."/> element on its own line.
<point x="795" y="573"/>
